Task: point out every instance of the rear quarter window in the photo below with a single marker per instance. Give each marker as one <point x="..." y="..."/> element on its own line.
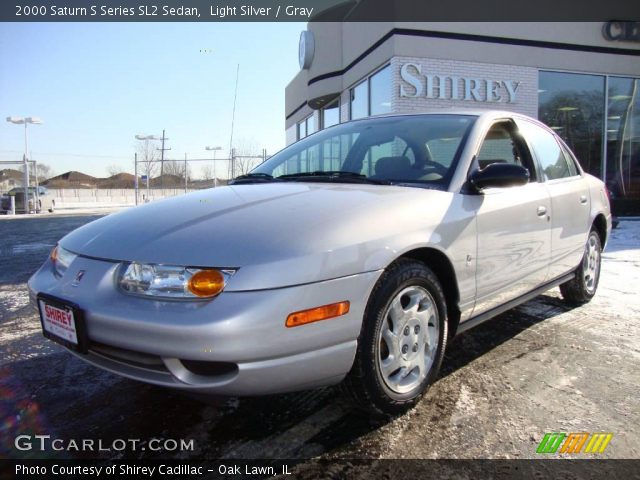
<point x="554" y="161"/>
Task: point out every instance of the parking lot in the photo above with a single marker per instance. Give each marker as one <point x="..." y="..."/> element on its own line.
<point x="542" y="367"/>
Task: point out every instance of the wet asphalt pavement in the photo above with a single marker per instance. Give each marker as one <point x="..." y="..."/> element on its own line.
<point x="541" y="367"/>
<point x="26" y="242"/>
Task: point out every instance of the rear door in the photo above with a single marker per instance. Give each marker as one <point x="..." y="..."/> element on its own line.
<point x="513" y="246"/>
<point x="570" y="198"/>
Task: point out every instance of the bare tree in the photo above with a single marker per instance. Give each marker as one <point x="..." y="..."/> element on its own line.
<point x="171" y="167"/>
<point x="114" y="169"/>
<point x="247" y="147"/>
<point x="248" y="155"/>
<point x="242" y="165"/>
<point x="45" y="172"/>
<point x="148" y="157"/>
<point x="176" y="168"/>
<point x="206" y="172"/>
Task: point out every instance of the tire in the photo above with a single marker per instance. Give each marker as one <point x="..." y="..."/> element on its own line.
<point x="583" y="286"/>
<point x="399" y="354"/>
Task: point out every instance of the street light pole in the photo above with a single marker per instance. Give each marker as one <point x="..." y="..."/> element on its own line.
<point x="185" y="172"/>
<point x="146" y="159"/>
<point x="214" y="150"/>
<point x="25" y="158"/>
<point x="162" y="150"/>
<point x="136" y="187"/>
<point x="25" y="181"/>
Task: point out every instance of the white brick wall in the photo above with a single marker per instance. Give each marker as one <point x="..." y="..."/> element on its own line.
<point x="526" y="101"/>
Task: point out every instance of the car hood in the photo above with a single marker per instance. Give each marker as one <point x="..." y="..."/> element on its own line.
<point x="275" y="234"/>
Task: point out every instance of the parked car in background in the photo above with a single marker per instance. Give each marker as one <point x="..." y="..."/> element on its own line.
<point x="351" y="256"/>
<point x="39" y="200"/>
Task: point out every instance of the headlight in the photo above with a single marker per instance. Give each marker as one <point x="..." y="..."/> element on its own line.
<point x="167" y="281"/>
<point x="61" y="259"/>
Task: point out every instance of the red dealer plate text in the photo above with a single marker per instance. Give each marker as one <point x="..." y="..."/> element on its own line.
<point x="59" y="322"/>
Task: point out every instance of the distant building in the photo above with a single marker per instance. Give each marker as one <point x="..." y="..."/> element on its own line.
<point x="9" y="179"/>
<point x="71" y="179"/>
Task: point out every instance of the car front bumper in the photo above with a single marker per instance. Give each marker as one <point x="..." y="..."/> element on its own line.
<point x="235" y="344"/>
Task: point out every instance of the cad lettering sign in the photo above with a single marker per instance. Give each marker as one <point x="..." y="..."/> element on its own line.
<point x="416" y="83"/>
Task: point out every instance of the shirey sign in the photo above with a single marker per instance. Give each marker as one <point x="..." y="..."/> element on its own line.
<point x="416" y="83"/>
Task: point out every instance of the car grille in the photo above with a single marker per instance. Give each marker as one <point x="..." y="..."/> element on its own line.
<point x="129" y="357"/>
<point x="147" y="366"/>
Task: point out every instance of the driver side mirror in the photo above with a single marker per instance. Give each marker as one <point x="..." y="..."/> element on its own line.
<point x="499" y="175"/>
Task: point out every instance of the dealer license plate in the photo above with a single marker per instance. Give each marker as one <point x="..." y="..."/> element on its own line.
<point x="61" y="322"/>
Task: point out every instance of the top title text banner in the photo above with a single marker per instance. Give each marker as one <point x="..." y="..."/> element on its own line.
<point x="314" y="10"/>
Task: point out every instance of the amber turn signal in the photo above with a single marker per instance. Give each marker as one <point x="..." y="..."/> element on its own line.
<point x="318" y="313"/>
<point x="206" y="283"/>
<point x="54" y="254"/>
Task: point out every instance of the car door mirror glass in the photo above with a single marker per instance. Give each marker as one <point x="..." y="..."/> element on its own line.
<point x="499" y="175"/>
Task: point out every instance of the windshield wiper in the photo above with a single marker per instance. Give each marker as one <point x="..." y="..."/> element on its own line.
<point x="324" y="173"/>
<point x="252" y="178"/>
<point x="332" y="176"/>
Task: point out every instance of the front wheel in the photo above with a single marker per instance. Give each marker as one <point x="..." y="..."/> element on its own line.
<point x="583" y="286"/>
<point x="402" y="341"/>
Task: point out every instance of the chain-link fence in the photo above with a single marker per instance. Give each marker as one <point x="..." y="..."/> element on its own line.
<point x="158" y="178"/>
<point x="193" y="173"/>
<point x="152" y="179"/>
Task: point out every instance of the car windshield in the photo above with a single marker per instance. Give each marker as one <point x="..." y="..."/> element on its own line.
<point x="420" y="150"/>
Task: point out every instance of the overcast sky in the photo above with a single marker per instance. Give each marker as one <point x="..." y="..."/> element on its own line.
<point x="96" y="85"/>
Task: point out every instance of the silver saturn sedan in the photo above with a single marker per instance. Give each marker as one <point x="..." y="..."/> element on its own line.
<point x="350" y="256"/>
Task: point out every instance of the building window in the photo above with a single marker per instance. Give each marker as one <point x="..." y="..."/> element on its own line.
<point x="623" y="144"/>
<point x="360" y="100"/>
<point x="311" y="125"/>
<point x="380" y="88"/>
<point x="573" y="105"/>
<point x="306" y="127"/>
<point x="302" y="129"/>
<point x="331" y="114"/>
<point x="373" y="95"/>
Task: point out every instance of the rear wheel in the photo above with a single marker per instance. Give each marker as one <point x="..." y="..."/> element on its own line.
<point x="401" y="344"/>
<point x="583" y="286"/>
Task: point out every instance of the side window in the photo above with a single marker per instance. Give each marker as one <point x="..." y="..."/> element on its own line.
<point x="501" y="145"/>
<point x="573" y="169"/>
<point x="552" y="159"/>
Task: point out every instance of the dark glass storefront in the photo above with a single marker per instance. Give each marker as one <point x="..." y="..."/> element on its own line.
<point x="584" y="109"/>
<point x="623" y="144"/>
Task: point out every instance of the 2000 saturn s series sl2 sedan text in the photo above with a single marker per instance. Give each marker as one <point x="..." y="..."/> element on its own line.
<point x="352" y="255"/>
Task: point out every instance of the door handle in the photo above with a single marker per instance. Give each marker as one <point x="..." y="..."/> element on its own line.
<point x="583" y="199"/>
<point x="542" y="211"/>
